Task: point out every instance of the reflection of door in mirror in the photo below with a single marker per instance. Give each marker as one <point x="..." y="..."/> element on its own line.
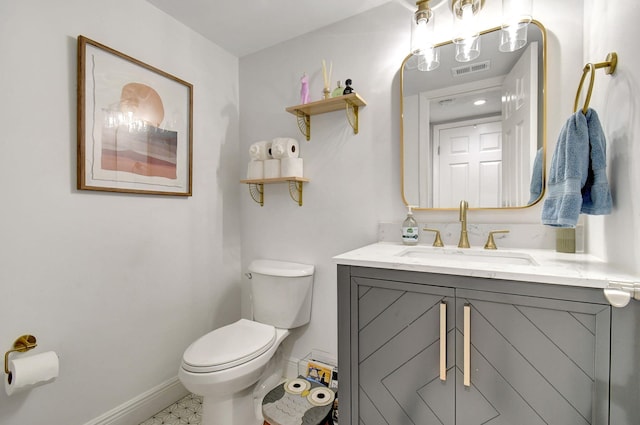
<point x="519" y="118"/>
<point x="452" y="107"/>
<point x="468" y="163"/>
<point x="512" y="88"/>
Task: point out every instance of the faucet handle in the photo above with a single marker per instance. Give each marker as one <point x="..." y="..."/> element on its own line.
<point x="437" y="241"/>
<point x="491" y="243"/>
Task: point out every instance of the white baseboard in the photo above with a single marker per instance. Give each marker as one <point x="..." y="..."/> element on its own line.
<point x="141" y="408"/>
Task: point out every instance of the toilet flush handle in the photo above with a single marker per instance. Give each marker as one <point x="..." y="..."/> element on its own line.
<point x="249" y="276"/>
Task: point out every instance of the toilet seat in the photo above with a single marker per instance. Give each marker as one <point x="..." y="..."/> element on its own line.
<point x="229" y="346"/>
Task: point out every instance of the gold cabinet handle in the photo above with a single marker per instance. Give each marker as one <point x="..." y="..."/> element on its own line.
<point x="443" y="341"/>
<point x="467" y="345"/>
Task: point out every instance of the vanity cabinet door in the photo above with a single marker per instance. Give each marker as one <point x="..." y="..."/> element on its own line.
<point x="532" y="360"/>
<point x="398" y="372"/>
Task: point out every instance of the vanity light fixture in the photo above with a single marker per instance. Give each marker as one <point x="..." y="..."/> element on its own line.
<point x="516" y="16"/>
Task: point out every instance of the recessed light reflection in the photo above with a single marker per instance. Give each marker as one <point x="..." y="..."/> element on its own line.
<point x="479" y="102"/>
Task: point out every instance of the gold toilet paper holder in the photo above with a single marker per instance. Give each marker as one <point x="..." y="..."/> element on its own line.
<point x="22" y="344"/>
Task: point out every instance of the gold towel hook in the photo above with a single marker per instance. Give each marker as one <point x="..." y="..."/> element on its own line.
<point x="610" y="65"/>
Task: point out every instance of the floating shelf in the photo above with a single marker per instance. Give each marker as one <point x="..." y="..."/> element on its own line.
<point x="256" y="188"/>
<point x="349" y="102"/>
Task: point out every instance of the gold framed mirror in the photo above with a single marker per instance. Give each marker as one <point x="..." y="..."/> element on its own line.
<point x="492" y="155"/>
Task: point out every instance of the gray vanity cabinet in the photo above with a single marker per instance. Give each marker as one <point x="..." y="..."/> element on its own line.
<point x="398" y="353"/>
<point x="534" y="356"/>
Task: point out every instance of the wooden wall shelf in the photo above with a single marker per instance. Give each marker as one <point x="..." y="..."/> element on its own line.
<point x="256" y="187"/>
<point x="349" y="102"/>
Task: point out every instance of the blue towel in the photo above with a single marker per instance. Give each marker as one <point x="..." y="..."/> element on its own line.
<point x="596" y="196"/>
<point x="535" y="187"/>
<point x="577" y="179"/>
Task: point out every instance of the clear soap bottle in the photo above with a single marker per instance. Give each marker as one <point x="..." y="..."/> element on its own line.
<point x="410" y="231"/>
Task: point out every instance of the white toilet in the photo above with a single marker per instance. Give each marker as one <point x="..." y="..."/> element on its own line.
<point x="225" y="365"/>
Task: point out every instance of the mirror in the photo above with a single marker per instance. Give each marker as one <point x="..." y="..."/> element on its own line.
<point x="493" y="154"/>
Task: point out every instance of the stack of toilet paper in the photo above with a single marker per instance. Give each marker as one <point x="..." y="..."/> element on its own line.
<point x="258" y="152"/>
<point x="277" y="158"/>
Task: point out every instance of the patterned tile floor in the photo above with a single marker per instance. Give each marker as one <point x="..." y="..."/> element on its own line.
<point x="186" y="411"/>
<point x="183" y="412"/>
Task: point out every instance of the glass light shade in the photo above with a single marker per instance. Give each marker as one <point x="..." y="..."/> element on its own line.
<point x="467" y="37"/>
<point x="422" y="31"/>
<point x="468" y="49"/>
<point x="513" y="37"/>
<point x="429" y="59"/>
<point x="465" y="20"/>
<point x="516" y="16"/>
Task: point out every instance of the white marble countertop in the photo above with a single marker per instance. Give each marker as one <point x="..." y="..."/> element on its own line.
<point x="548" y="266"/>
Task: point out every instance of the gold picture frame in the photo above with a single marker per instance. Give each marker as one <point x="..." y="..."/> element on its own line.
<point x="135" y="125"/>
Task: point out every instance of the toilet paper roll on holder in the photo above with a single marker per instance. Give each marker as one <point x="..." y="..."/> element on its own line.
<point x="22" y="344"/>
<point x="620" y="293"/>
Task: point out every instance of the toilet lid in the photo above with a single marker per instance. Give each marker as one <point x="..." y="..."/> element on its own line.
<point x="229" y="346"/>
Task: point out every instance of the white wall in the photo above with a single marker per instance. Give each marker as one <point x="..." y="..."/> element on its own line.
<point x="616" y="237"/>
<point x="355" y="179"/>
<point x="92" y="276"/>
<point x="118" y="285"/>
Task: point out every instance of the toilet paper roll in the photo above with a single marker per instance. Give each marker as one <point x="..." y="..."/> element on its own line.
<point x="291" y="167"/>
<point x="31" y="371"/>
<point x="285" y="147"/>
<point x="259" y="151"/>
<point x="271" y="168"/>
<point x="321" y="396"/>
<point x="255" y="170"/>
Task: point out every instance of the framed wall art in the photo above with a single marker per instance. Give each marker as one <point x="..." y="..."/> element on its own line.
<point x="134" y="125"/>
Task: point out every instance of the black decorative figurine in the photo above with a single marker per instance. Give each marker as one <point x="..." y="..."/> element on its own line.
<point x="348" y="89"/>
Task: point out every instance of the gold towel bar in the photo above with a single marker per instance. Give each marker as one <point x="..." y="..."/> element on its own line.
<point x="610" y="65"/>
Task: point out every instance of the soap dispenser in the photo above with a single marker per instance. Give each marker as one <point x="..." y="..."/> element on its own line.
<point x="410" y="231"/>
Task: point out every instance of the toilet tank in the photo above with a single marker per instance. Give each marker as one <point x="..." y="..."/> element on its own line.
<point x="281" y="292"/>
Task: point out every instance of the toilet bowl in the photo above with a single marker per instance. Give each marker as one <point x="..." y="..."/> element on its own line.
<point x="224" y="373"/>
<point x="214" y="366"/>
<point x="225" y="365"/>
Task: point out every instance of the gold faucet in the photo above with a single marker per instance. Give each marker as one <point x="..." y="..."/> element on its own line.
<point x="464" y="239"/>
